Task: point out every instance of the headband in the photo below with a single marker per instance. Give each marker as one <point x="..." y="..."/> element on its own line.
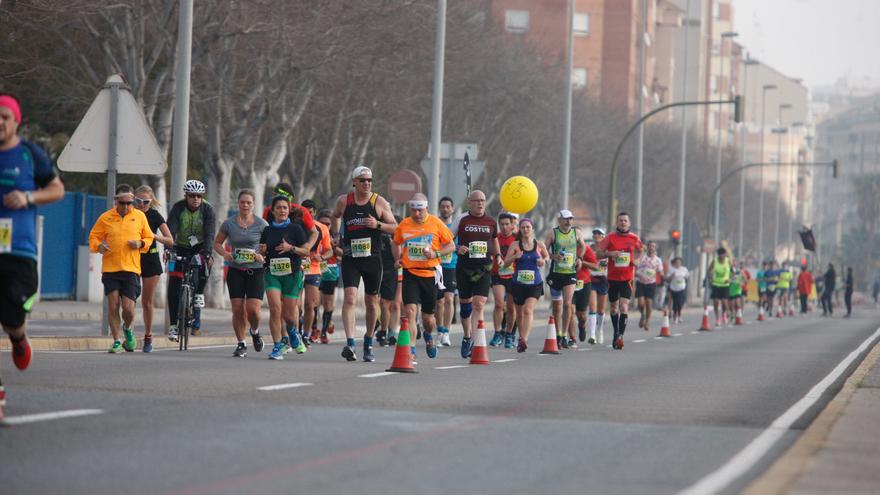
<point x="418" y="204"/>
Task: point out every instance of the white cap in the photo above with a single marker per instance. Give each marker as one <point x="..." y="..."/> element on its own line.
<point x="599" y="230"/>
<point x="361" y="171"/>
<point x="565" y="214"/>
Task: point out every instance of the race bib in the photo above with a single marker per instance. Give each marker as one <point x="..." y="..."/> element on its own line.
<point x="305" y="263"/>
<point x="526" y="277"/>
<point x="602" y="271"/>
<point x="567" y="262"/>
<point x="677" y="284"/>
<point x="649" y="273"/>
<point x="361" y="248"/>
<point x="506" y="270"/>
<point x="478" y="249"/>
<point x="5" y="235"/>
<point x="622" y="260"/>
<point x="446" y="259"/>
<point x="193" y="240"/>
<point x="280" y="267"/>
<point x="244" y="256"/>
<point x="415" y="250"/>
<point x="579" y="285"/>
<point x="324" y="266"/>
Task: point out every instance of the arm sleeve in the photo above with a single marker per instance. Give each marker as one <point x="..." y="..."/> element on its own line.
<point x="398" y="235"/>
<point x="97" y="235"/>
<point x="308" y="221"/>
<point x="173" y="219"/>
<point x="210" y="227"/>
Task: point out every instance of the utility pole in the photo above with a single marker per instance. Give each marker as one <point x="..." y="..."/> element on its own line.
<point x="682" y="167"/>
<point x="180" y="138"/>
<point x="437" y="107"/>
<point x="640" y="159"/>
<point x="764" y="89"/>
<point x="721" y="131"/>
<point x="566" y="146"/>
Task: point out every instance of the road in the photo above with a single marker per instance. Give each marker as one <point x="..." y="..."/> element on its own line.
<point x="654" y="418"/>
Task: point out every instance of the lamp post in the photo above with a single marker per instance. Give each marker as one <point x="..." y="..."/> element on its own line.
<point x="742" y="154"/>
<point x="779" y="131"/>
<point x="793" y="187"/>
<point x="640" y="158"/>
<point x="682" y="166"/>
<point x="724" y="35"/>
<point x="764" y="89"/>
<point x="566" y="147"/>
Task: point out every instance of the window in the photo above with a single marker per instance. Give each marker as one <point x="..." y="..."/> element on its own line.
<point x="579" y="78"/>
<point x="581" y="24"/>
<point x="516" y="21"/>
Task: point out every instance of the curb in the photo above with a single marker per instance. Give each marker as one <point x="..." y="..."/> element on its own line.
<point x="785" y="472"/>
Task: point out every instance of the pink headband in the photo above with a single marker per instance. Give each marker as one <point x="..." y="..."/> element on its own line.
<point x="10" y="103"/>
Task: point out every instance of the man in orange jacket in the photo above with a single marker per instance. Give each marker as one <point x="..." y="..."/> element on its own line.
<point x="121" y="234"/>
<point x="804" y="287"/>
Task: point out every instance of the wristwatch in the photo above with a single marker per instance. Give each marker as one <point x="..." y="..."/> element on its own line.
<point x="29" y="197"/>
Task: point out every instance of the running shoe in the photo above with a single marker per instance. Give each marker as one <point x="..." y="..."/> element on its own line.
<point x="331" y="328"/>
<point x="392" y="339"/>
<point x="618" y="343"/>
<point x="562" y="342"/>
<point x="324" y="338"/>
<point x="509" y="338"/>
<point x="380" y="338"/>
<point x="315" y="337"/>
<point x="368" y="354"/>
<point x="496" y="339"/>
<point x="172" y="333"/>
<point x="304" y="339"/>
<point x="414" y="361"/>
<point x="444" y="339"/>
<point x="199" y="301"/>
<point x="591" y="341"/>
<point x="582" y="332"/>
<point x="430" y="348"/>
<point x="148" y="344"/>
<point x="601" y="339"/>
<point x="257" y="339"/>
<point x="301" y="348"/>
<point x="21" y="353"/>
<point x="285" y="345"/>
<point x="116" y="348"/>
<point x="467" y="345"/>
<point x="277" y="351"/>
<point x="240" y="350"/>
<point x="572" y="344"/>
<point x="348" y="353"/>
<point x="130" y="342"/>
<point x="521" y="346"/>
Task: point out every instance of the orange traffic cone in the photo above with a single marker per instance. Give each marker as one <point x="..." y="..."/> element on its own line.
<point x="550" y="346"/>
<point x="760" y="312"/>
<point x="739" y="317"/>
<point x="664" y="330"/>
<point x="480" y="354"/>
<point x="2" y="401"/>
<point x="402" y="354"/>
<point x="704" y="326"/>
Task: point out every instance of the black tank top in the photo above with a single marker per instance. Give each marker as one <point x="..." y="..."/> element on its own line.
<point x="366" y="240"/>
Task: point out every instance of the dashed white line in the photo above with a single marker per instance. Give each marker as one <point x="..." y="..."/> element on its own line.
<point x="282" y="386"/>
<point x="638" y="341"/>
<point x="451" y="367"/>
<point x="659" y="338"/>
<point x="504" y="360"/>
<point x="376" y="375"/>
<point x="695" y="332"/>
<point x="49" y="416"/>
<point x="677" y="334"/>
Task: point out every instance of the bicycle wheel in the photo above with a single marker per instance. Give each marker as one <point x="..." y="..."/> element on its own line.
<point x="183" y="316"/>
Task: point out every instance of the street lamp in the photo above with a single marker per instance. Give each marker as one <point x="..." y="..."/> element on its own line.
<point x="742" y="178"/>
<point x="793" y="187"/>
<point x="724" y="35"/>
<point x="764" y="89"/>
<point x="779" y="131"/>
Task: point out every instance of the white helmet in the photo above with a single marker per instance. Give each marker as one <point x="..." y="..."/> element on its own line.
<point x="193" y="187"/>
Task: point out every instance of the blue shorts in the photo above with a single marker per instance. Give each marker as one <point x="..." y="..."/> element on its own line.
<point x="600" y="285"/>
<point x="313" y="280"/>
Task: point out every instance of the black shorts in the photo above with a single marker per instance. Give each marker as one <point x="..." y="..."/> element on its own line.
<point x="619" y="289"/>
<point x="313" y="280"/>
<point x="645" y="290"/>
<point x="151" y="265"/>
<point x="720" y="292"/>
<point x="600" y="285"/>
<point x="582" y="298"/>
<point x="17" y="291"/>
<point x="522" y="292"/>
<point x="369" y="269"/>
<point x="328" y="287"/>
<point x="557" y="281"/>
<point x="472" y="281"/>
<point x="388" y="287"/>
<point x="127" y="283"/>
<point x="419" y="290"/>
<point x="245" y="284"/>
<point x="449" y="282"/>
<point x="497" y="280"/>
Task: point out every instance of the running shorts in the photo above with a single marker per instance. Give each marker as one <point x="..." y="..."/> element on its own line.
<point x="128" y="284"/>
<point x="522" y="292"/>
<point x="497" y="280"/>
<point x="419" y="290"/>
<point x="151" y="265"/>
<point x="18" y="290"/>
<point x="290" y="286"/>
<point x="645" y="290"/>
<point x="328" y="287"/>
<point x="388" y="287"/>
<point x="600" y="285"/>
<point x="582" y="298"/>
<point x="449" y="281"/>
<point x="619" y="289"/>
<point x="245" y="284"/>
<point x="369" y="269"/>
<point x="472" y="281"/>
<point x="719" y="292"/>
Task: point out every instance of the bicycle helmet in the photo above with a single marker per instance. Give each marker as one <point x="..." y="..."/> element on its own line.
<point x="193" y="187"/>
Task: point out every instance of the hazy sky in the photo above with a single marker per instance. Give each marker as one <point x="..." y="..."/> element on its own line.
<point x="816" y="40"/>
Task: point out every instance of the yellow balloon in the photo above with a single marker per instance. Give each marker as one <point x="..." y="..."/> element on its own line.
<point x="519" y="194"/>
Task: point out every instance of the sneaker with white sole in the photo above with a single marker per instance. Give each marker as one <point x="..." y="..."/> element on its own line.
<point x="172" y="333"/>
<point x="199" y="301"/>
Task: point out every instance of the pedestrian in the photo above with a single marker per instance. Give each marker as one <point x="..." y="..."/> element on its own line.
<point x="829" y="282"/>
<point x="121" y="234"/>
<point x="678" y="281"/>
<point x="28" y="180"/>
<point x="151" y="263"/>
<point x="804" y="287"/>
<point x="848" y="291"/>
<point x="528" y="256"/>
<point x="619" y="247"/>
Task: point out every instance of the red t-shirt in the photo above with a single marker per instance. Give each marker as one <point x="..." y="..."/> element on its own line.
<point x="504" y="244"/>
<point x="589" y="256"/>
<point x="308" y="222"/>
<point x="621" y="268"/>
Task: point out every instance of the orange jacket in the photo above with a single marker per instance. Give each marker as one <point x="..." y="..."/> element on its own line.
<point x="117" y="231"/>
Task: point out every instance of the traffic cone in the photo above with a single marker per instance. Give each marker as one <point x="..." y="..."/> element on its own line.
<point x="2" y="401"/>
<point x="760" y="312"/>
<point x="480" y="355"/>
<point x="402" y="354"/>
<point x="704" y="326"/>
<point x="739" y="317"/>
<point x="664" y="330"/>
<point x="550" y="346"/>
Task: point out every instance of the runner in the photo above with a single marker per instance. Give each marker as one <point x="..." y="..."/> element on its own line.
<point x="389" y="291"/>
<point x="648" y="268"/>
<point x="121" y="235"/>
<point x="329" y="278"/>
<point x="619" y="247"/>
<point x="528" y="256"/>
<point x="761" y="278"/>
<point x="566" y="246"/>
<point x="151" y="263"/>
<point x="244" y="279"/>
<point x="735" y="289"/>
<point x="446" y="301"/>
<point x="321" y="251"/>
<point x="192" y="224"/>
<point x="771" y="277"/>
<point x="477" y="236"/>
<point x="783" y="287"/>
<point x="829" y="279"/>
<point x="28" y="180"/>
<point x="424" y="239"/>
<point x="504" y="312"/>
<point x="678" y="282"/>
<point x="365" y="216"/>
<point x="283" y="244"/>
<point x="719" y="273"/>
<point x="598" y="293"/>
<point x="583" y="294"/>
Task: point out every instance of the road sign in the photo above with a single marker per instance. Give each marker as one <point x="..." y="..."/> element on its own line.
<point x="137" y="151"/>
<point x="453" y="176"/>
<point x="403" y="184"/>
<point x="708" y="245"/>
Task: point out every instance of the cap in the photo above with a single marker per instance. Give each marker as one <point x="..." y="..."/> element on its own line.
<point x="361" y="171"/>
<point x="565" y="214"/>
<point x="599" y="230"/>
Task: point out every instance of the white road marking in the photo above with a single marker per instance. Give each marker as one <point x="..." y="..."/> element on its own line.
<point x="659" y="338"/>
<point x="638" y="341"/>
<point x="50" y="416"/>
<point x="282" y="386"/>
<point x="582" y="350"/>
<point x="504" y="360"/>
<point x="451" y="367"/>
<point x="695" y="332"/>
<point x="677" y="334"/>
<point x="376" y="375"/>
<point x="745" y="459"/>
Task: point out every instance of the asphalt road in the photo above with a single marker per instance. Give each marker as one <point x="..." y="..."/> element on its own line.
<point x="654" y="418"/>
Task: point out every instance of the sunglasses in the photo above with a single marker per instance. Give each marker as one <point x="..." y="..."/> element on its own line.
<point x="193" y="195"/>
<point x="124" y="203"/>
<point x="142" y="201"/>
<point x="365" y="180"/>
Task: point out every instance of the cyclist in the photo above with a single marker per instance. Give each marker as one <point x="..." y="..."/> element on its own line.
<point x="504" y="310"/>
<point x="28" y="180"/>
<point x="446" y="303"/>
<point x="192" y="224"/>
<point x="619" y="247"/>
<point x="244" y="279"/>
<point x="566" y="246"/>
<point x="151" y="263"/>
<point x="528" y="256"/>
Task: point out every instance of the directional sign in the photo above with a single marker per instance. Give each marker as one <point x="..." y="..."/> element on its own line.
<point x="137" y="149"/>
<point x="403" y="184"/>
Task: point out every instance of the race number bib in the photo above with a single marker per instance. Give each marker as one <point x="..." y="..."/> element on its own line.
<point x="505" y="270"/>
<point x="415" y="250"/>
<point x="678" y="284"/>
<point x="305" y="263"/>
<point x="478" y="249"/>
<point x="5" y="235"/>
<point x="244" y="256"/>
<point x="446" y="259"/>
<point x="567" y="262"/>
<point x="280" y="267"/>
<point x="526" y="277"/>
<point x="361" y="248"/>
<point x="649" y="273"/>
<point x="324" y="266"/>
<point x="622" y="260"/>
<point x="603" y="269"/>
<point x="579" y="285"/>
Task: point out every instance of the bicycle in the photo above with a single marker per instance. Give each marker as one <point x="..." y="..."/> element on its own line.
<point x="186" y="300"/>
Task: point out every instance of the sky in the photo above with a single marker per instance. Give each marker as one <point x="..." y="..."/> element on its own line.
<point x="818" y="41"/>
